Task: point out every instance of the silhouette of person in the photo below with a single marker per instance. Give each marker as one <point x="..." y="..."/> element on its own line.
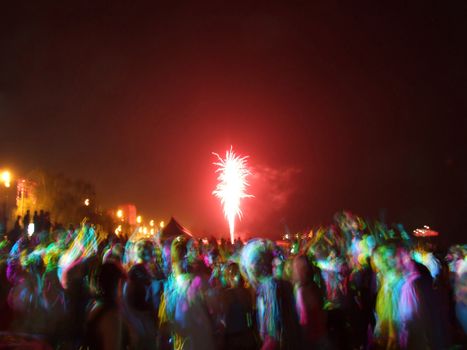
<point x="40" y="225"/>
<point x="14" y="234"/>
<point x="18" y="223"/>
<point x="35" y="220"/>
<point x="47" y="222"/>
<point x="26" y="220"/>
<point x="107" y="327"/>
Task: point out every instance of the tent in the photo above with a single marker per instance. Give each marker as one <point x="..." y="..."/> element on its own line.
<point x="174" y="229"/>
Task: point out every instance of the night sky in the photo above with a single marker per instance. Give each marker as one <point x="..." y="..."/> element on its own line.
<point x="358" y="107"/>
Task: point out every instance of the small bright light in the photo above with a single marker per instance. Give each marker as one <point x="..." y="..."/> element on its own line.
<point x="139" y="219"/>
<point x="118" y="230"/>
<point x="6" y="178"/>
<point x="161" y="224"/>
<point x="86" y="202"/>
<point x="286" y="236"/>
<point x="30" y="229"/>
<point x="151" y="223"/>
<point x="119" y="213"/>
<point x="152" y="231"/>
<point x="140" y="230"/>
<point x="145" y="230"/>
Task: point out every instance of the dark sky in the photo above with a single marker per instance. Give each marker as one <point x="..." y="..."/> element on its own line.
<point x="358" y="107"/>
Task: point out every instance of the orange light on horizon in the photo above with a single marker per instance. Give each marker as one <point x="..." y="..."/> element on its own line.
<point x="6" y="178"/>
<point x="426" y="231"/>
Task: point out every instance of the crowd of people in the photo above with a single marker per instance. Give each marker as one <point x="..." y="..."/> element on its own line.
<point x="40" y="220"/>
<point x="347" y="286"/>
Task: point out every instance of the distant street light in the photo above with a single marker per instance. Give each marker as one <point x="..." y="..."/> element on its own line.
<point x="139" y="219"/>
<point x="6" y="178"/>
<point x="161" y="224"/>
<point x="86" y="202"/>
<point x="119" y="213"/>
<point x="151" y="223"/>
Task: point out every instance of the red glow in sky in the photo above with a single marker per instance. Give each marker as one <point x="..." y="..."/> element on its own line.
<point x="343" y="107"/>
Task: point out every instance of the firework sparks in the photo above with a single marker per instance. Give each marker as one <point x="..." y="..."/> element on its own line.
<point x="232" y="186"/>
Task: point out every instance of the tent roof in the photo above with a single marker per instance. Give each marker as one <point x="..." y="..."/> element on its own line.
<point x="174" y="229"/>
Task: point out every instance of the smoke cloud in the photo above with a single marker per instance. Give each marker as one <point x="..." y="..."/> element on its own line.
<point x="273" y="189"/>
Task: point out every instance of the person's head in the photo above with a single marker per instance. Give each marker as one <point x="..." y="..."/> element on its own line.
<point x="178" y="254"/>
<point x="109" y="280"/>
<point x="166" y="257"/>
<point x="117" y="249"/>
<point x="404" y="261"/>
<point x="33" y="263"/>
<point x="113" y="253"/>
<point x="302" y="272"/>
<point x="256" y="260"/>
<point x="264" y="264"/>
<point x="144" y="251"/>
<point x="212" y="256"/>
<point x="139" y="280"/>
<point x="232" y="275"/>
<point x="278" y="267"/>
<point x="192" y="250"/>
<point x="197" y="267"/>
<point x="287" y="270"/>
<point x="383" y="258"/>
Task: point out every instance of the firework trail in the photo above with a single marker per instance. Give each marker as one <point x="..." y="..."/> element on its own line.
<point x="231" y="189"/>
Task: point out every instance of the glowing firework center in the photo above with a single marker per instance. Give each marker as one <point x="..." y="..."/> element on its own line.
<point x="231" y="189"/>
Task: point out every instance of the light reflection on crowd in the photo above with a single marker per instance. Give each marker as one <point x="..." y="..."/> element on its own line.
<point x="347" y="286"/>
